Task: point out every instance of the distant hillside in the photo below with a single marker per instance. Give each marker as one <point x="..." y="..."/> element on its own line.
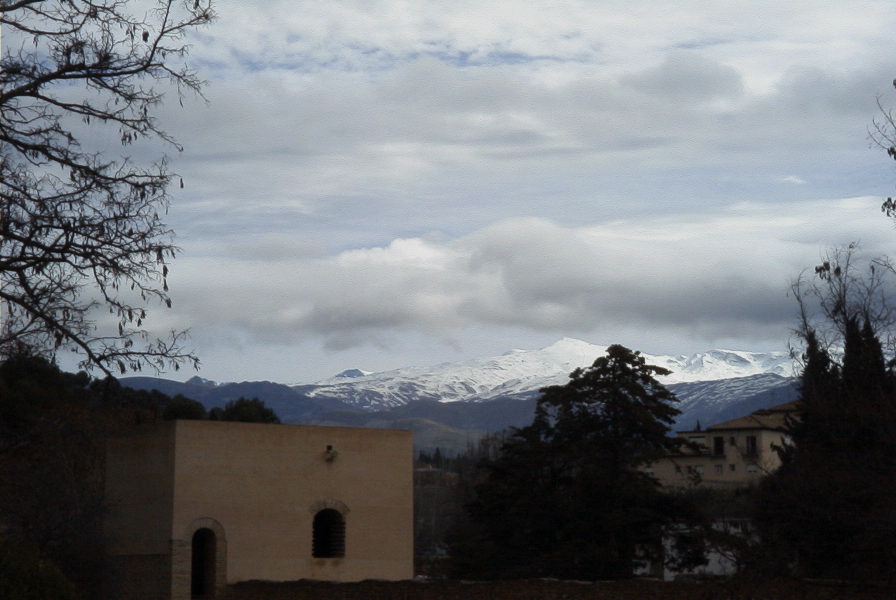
<point x="449" y="426"/>
<point x="705" y="402"/>
<point x="453" y="425"/>
<point x="711" y="402"/>
<point x="290" y="404"/>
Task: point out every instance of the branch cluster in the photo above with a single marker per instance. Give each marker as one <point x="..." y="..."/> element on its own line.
<point x="845" y="289"/>
<point x="81" y="231"/>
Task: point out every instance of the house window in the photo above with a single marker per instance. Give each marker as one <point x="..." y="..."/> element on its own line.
<point x="328" y="538"/>
<point x="719" y="469"/>
<point x="678" y="468"/>
<point x="732" y="467"/>
<point x="752" y="468"/>
<point x="752" y="448"/>
<point x="718" y="446"/>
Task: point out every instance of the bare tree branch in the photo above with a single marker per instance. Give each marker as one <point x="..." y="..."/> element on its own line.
<point x="846" y="287"/>
<point x="81" y="229"/>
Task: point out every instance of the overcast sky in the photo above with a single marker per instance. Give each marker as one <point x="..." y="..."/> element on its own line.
<point x="382" y="184"/>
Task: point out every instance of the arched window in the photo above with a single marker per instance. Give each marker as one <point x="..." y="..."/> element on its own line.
<point x="202" y="573"/>
<point x="328" y="537"/>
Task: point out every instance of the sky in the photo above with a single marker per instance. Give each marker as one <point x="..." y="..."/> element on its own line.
<point x="379" y="184"/>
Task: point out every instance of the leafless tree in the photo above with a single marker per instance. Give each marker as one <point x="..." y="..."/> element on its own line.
<point x="883" y="134"/>
<point x="82" y="239"/>
<point x="848" y="286"/>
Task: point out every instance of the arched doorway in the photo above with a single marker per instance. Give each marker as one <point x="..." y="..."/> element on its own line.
<point x="204" y="563"/>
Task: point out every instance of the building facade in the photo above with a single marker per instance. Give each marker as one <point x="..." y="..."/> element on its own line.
<point x="731" y="454"/>
<point x="195" y="505"/>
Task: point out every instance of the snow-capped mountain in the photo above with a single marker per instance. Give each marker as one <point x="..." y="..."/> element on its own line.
<point x="711" y="402"/>
<point x="521" y="372"/>
<point x="467" y="399"/>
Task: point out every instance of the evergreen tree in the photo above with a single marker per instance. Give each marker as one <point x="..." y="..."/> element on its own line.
<point x="827" y="512"/>
<point x="564" y="497"/>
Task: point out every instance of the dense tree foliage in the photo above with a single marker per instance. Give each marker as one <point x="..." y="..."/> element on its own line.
<point x="247" y="410"/>
<point x="53" y="432"/>
<point x="565" y="496"/>
<point x="81" y="230"/>
<point x="181" y="407"/>
<point x="53" y="429"/>
<point x="828" y="511"/>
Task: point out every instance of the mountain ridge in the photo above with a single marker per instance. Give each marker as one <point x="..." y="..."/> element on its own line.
<point x="521" y="371"/>
<point x="450" y="404"/>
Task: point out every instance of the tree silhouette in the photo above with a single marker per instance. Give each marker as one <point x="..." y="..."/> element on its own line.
<point x="827" y="512"/>
<point x="81" y="230"/>
<point x="53" y="432"/>
<point x="247" y="410"/>
<point x="180" y="407"/>
<point x="565" y="497"/>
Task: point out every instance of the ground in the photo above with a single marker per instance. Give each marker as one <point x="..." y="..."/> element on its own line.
<point x="558" y="590"/>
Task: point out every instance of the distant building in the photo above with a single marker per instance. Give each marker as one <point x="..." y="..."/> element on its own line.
<point x="730" y="454"/>
<point x="195" y="505"/>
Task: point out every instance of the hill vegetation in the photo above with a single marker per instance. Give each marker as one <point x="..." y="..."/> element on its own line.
<point x="53" y="431"/>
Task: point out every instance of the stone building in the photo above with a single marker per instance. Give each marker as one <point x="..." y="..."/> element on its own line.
<point x="195" y="505"/>
<point x="730" y="454"/>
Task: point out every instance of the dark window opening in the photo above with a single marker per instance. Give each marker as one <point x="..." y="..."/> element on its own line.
<point x="328" y="539"/>
<point x="718" y="446"/>
<point x="202" y="573"/>
<point x="752" y="448"/>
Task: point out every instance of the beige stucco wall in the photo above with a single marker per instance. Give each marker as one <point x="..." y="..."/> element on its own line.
<point x="683" y="469"/>
<point x="264" y="482"/>
<point x="261" y="485"/>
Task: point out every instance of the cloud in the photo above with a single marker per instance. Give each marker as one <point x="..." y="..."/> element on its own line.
<point x="381" y="179"/>
<point x="722" y="272"/>
<point x="493" y="137"/>
<point x="689" y="77"/>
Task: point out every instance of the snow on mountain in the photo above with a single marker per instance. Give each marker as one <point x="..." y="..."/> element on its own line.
<point x="723" y="364"/>
<point x="522" y="371"/>
<point x="352" y="373"/>
<point x="711" y="402"/>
